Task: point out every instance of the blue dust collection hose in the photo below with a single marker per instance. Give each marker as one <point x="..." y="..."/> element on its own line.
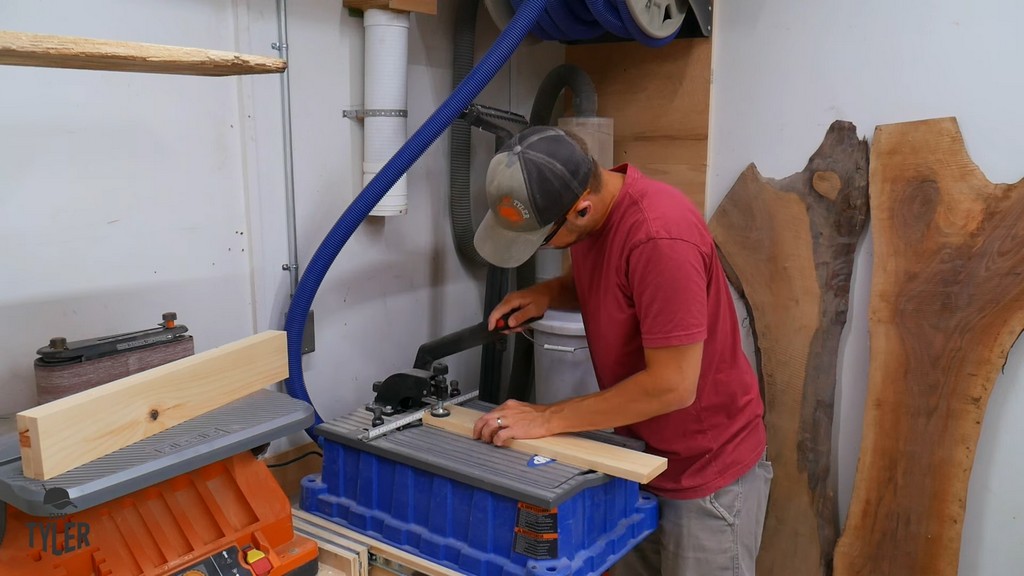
<point x="546" y="19"/>
<point x="524" y="20"/>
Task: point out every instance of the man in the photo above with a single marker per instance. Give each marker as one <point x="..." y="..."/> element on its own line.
<point x="663" y="338"/>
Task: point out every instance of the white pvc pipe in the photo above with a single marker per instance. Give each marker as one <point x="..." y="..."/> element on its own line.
<point x="386" y="49"/>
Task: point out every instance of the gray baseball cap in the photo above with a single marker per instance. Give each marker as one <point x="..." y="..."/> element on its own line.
<point x="532" y="184"/>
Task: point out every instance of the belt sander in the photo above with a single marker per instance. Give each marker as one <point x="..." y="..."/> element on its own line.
<point x="191" y="500"/>
<point x="63" y="368"/>
<point x="461" y="503"/>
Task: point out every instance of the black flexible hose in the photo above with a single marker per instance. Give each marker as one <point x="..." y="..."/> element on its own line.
<point x="459" y="197"/>
<point x="521" y="379"/>
<point x="584" y="94"/>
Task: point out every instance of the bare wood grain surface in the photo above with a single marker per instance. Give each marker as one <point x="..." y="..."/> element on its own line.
<point x="68" y="432"/>
<point x="788" y="248"/>
<point x="569" y="449"/>
<point x="660" y="101"/>
<point x="947" y="304"/>
<point x="49" y="51"/>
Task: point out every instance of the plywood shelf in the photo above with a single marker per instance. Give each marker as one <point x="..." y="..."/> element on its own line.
<point x="421" y="6"/>
<point x="48" y="51"/>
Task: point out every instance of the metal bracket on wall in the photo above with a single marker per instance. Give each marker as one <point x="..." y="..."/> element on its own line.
<point x="380" y="112"/>
<point x="702" y="11"/>
<point x="309" y="335"/>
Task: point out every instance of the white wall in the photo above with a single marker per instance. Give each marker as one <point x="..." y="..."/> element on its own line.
<point x="398" y="281"/>
<point x="783" y="71"/>
<point x="126" y="195"/>
<point x="121" y="195"/>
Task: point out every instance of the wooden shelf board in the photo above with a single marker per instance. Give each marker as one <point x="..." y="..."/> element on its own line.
<point x="48" y="51"/>
<point x="420" y="6"/>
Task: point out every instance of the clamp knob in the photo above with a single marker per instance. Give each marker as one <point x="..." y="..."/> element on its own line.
<point x="378" y="416"/>
<point x="439" y="369"/>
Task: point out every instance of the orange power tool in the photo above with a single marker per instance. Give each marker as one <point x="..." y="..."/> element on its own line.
<point x="192" y="500"/>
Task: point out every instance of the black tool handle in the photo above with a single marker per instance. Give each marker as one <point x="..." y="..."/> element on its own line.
<point x="469" y="337"/>
<point x="502" y="323"/>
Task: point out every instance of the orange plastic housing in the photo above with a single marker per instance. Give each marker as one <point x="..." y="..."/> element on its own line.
<point x="167" y="529"/>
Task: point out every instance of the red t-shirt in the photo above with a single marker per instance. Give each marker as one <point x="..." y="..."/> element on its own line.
<point x="650" y="277"/>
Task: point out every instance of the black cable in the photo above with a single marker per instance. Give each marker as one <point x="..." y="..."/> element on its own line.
<point x="296" y="459"/>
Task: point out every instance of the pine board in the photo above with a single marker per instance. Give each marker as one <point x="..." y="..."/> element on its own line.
<point x="573" y="450"/>
<point x="421" y="6"/>
<point x="60" y="435"/>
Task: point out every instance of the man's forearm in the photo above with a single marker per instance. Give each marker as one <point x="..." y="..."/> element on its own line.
<point x="668" y="383"/>
<point x="639" y="397"/>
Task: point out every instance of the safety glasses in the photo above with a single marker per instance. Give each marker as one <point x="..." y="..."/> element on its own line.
<point x="554" y="231"/>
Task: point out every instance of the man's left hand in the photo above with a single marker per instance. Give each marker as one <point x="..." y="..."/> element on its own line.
<point x="513" y="420"/>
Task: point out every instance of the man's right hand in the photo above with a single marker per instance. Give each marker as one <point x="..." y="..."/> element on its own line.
<point x="532" y="302"/>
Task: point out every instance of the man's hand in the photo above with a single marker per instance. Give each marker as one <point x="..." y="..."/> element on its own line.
<point x="513" y="420"/>
<point x="531" y="303"/>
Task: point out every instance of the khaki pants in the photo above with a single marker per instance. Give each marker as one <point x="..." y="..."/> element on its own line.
<point x="714" y="536"/>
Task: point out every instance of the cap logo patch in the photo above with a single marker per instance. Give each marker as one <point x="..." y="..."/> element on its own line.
<point x="512" y="210"/>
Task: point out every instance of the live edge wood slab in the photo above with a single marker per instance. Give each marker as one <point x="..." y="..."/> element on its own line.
<point x="788" y="247"/>
<point x="60" y="435"/>
<point x="574" y="450"/>
<point x="48" y="51"/>
<point x="947" y="304"/>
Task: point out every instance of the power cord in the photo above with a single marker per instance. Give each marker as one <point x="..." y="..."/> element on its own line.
<point x="296" y="459"/>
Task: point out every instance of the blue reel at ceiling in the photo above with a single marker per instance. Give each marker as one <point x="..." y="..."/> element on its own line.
<point x="650" y="22"/>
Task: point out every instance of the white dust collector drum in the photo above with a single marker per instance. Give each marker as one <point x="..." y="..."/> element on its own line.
<point x="561" y="358"/>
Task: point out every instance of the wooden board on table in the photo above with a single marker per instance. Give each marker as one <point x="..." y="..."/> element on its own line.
<point x="788" y="247"/>
<point x="76" y="429"/>
<point x="49" y="51"/>
<point x="420" y="6"/>
<point x="337" y="533"/>
<point x="947" y="304"/>
<point x="573" y="450"/>
<point x="660" y="101"/>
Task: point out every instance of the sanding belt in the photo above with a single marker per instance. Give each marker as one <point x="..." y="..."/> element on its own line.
<point x="53" y="382"/>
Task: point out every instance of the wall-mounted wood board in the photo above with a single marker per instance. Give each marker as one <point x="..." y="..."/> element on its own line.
<point x="421" y="6"/>
<point x="659" y="99"/>
<point x="48" y="51"/>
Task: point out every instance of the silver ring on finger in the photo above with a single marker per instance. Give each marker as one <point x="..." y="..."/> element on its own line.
<point x="500" y="425"/>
